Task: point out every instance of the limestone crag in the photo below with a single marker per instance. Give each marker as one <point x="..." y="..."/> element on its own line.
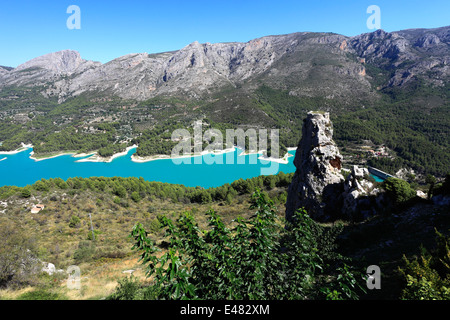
<point x="318" y="184"/>
<point x="318" y="177"/>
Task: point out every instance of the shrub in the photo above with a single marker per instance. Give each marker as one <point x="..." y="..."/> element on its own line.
<point x="74" y="222"/>
<point x="120" y="191"/>
<point x="93" y="235"/>
<point x="41" y="294"/>
<point x="85" y="251"/>
<point x="129" y="288"/>
<point x="398" y="190"/>
<point x="126" y="289"/>
<point x="25" y="193"/>
<point x="41" y="186"/>
<point x="18" y="263"/>
<point x="135" y="196"/>
<point x="428" y="276"/>
<point x="60" y="183"/>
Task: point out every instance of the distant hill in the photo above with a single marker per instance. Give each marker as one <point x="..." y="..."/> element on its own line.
<point x="6" y="68"/>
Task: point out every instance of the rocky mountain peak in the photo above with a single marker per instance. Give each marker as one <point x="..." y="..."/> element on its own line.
<point x="61" y="62"/>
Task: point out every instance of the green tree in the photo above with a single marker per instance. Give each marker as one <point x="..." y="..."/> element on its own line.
<point x="428" y="276"/>
<point x="398" y="190"/>
<point x="120" y="191"/>
<point x="135" y="196"/>
<point x="74" y="222"/>
<point x="25" y="192"/>
<point x="430" y="180"/>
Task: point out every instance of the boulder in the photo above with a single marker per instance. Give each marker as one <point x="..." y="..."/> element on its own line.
<point x="49" y="268"/>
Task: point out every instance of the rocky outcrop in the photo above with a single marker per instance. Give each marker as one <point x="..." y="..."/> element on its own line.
<point x="318" y="184"/>
<point x="318" y="181"/>
<point x="410" y="53"/>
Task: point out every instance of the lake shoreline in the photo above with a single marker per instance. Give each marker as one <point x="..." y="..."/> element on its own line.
<point x="138" y="159"/>
<point x="95" y="157"/>
<point x="73" y="154"/>
<point x="283" y="160"/>
<point x="21" y="149"/>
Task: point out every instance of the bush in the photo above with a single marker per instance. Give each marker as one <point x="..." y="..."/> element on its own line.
<point x="428" y="277"/>
<point x="129" y="288"/>
<point x="41" y="186"/>
<point x="398" y="190"/>
<point x="85" y="251"/>
<point x="126" y="290"/>
<point x="74" y="222"/>
<point x="120" y="191"/>
<point x="41" y="294"/>
<point x="25" y="193"/>
<point x="135" y="196"/>
<point x="93" y="235"/>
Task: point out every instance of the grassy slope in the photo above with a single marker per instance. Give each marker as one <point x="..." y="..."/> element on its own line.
<point x="57" y="242"/>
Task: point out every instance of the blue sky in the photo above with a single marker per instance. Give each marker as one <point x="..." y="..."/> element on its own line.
<point x="109" y="29"/>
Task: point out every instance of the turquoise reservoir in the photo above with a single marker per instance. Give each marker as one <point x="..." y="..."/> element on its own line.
<point x="19" y="170"/>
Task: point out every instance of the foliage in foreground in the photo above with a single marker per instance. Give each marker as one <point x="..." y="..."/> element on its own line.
<point x="428" y="277"/>
<point x="255" y="259"/>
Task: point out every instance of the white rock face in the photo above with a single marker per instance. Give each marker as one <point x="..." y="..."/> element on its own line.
<point x="61" y="62"/>
<point x="359" y="196"/>
<point x="199" y="69"/>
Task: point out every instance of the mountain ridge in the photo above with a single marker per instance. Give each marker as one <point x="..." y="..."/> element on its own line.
<point x="202" y="69"/>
